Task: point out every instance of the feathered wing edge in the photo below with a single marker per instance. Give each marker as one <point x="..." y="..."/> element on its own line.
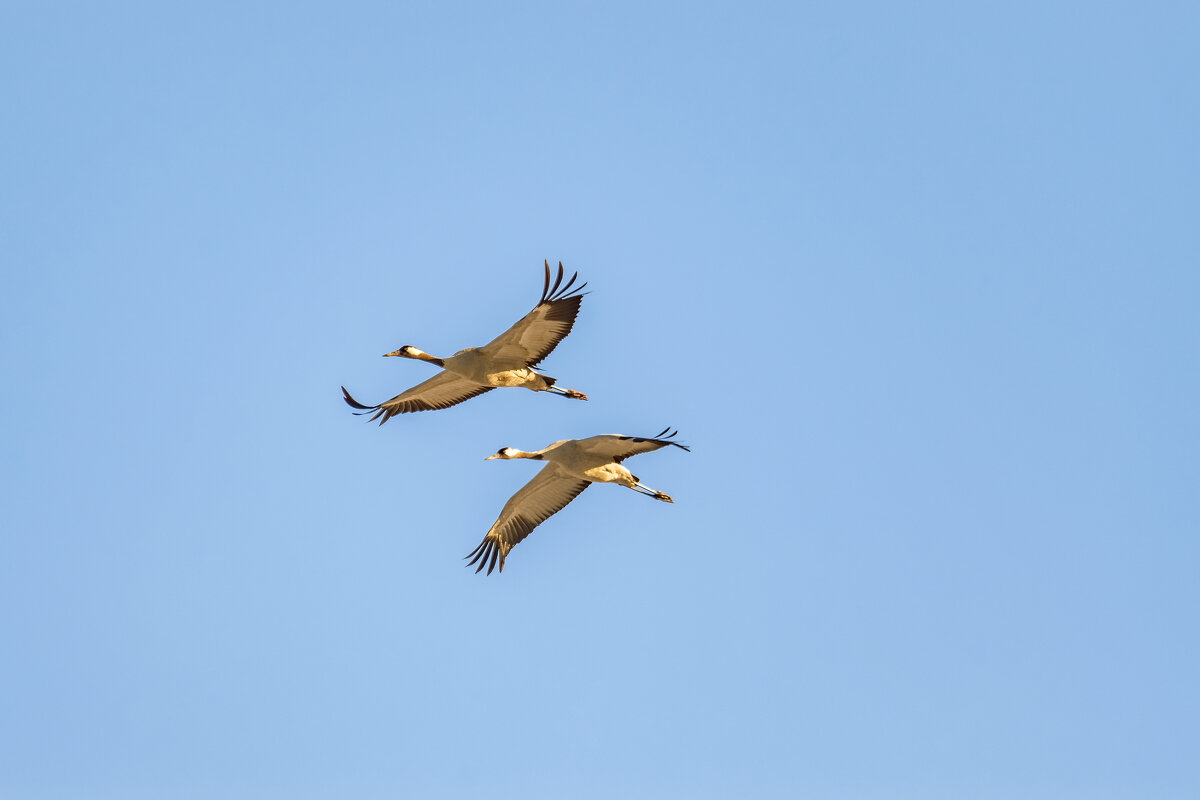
<point x="553" y="294"/>
<point x="562" y="306"/>
<point x="350" y="401"/>
<point x="387" y="410"/>
<point x="503" y="538"/>
<point x="489" y="548"/>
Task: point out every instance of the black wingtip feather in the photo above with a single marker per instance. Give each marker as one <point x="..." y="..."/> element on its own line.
<point x="567" y="288"/>
<point x="350" y="401"/>
<point x="553" y="292"/>
<point x="481" y="556"/>
<point x="485" y="555"/>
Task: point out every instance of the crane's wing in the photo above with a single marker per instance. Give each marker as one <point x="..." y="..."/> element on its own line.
<point x="441" y="391"/>
<point x="620" y="447"/>
<point x="537" y="500"/>
<point x="536" y="334"/>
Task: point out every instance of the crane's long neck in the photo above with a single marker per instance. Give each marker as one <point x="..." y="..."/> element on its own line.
<point x="426" y="357"/>
<point x="409" y="351"/>
<point x="538" y="456"/>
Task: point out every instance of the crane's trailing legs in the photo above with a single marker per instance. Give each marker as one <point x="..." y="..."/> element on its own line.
<point x="561" y="392"/>
<point x="642" y="488"/>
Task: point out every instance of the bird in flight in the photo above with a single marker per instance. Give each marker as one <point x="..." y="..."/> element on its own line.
<point x="573" y="464"/>
<point x="507" y="360"/>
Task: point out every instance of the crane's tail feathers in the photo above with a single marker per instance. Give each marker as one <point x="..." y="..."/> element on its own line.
<point x="665" y="436"/>
<point x="486" y="554"/>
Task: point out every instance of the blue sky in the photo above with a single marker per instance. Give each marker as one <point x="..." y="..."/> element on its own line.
<point x="917" y="283"/>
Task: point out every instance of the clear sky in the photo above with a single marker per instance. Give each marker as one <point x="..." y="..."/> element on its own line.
<point x="918" y="283"/>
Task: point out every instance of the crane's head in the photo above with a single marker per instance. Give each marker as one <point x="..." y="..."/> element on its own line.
<point x="408" y="351"/>
<point x="504" y="452"/>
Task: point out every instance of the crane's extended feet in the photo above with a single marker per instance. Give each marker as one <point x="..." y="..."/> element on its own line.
<point x="655" y="493"/>
<point x="565" y="392"/>
<point x="561" y="392"/>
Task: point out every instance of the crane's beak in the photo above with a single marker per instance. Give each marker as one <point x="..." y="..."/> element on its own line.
<point x="393" y="353"/>
<point x="489" y="458"/>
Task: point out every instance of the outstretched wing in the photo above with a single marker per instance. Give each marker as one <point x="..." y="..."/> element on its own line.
<point x="441" y="391"/>
<point x="537" y="333"/>
<point x="619" y="448"/>
<point x="548" y="492"/>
